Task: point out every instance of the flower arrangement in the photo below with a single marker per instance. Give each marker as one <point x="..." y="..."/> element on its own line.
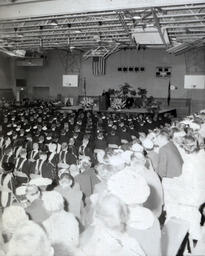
<point x="120" y="98"/>
<point x="126" y="89"/>
<point x="118" y="103"/>
<point x="87" y="102"/>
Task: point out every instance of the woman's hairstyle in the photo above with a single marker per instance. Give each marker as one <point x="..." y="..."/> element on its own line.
<point x="12" y="217"/>
<point x="53" y="201"/>
<point x="30" y="239"/>
<point x="68" y="177"/>
<point x="190" y="144"/>
<point x="173" y="130"/>
<point x="165" y="133"/>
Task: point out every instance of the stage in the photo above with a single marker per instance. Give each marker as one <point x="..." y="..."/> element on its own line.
<point x="131" y="111"/>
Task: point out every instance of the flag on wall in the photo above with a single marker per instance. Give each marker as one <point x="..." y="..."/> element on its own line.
<point x="98" y="66"/>
<point x="169" y="94"/>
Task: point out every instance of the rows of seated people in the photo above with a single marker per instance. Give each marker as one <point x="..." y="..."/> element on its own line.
<point x="101" y="183"/>
<point x="36" y="140"/>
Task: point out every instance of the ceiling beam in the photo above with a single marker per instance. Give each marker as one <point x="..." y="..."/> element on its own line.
<point x="156" y="20"/>
<point x="58" y="7"/>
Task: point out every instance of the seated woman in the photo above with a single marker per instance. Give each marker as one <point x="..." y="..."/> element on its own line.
<point x="29" y="239"/>
<point x="12" y="218"/>
<point x="62" y="227"/>
<point x="107" y="235"/>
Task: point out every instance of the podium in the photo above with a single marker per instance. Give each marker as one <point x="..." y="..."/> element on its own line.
<point x="102" y="103"/>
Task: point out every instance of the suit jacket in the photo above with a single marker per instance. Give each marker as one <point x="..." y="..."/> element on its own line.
<point x="87" y="181"/>
<point x="67" y="157"/>
<point x="44" y="169"/>
<point x="170" y="161"/>
<point x="87" y="151"/>
<point x="22" y="170"/>
<point x="100" y="144"/>
<point x="33" y="155"/>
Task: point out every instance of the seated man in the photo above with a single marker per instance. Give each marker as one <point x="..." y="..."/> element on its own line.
<point x="113" y="140"/>
<point x="44" y="168"/>
<point x="22" y="168"/>
<point x="100" y="142"/>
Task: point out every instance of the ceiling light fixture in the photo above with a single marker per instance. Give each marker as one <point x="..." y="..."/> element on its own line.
<point x="137" y="17"/>
<point x="53" y="22"/>
<point x="77" y="31"/>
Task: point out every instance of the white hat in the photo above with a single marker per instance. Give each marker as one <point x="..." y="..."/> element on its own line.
<point x="137" y="147"/>
<point x="53" y="201"/>
<point x="44" y="128"/>
<point x="40" y="181"/>
<point x="126" y="155"/>
<point x="194" y="126"/>
<point x="116" y="160"/>
<point x="140" y="218"/>
<point x="147" y="144"/>
<point x="131" y="188"/>
<point x="63" y="166"/>
<point x="179" y="134"/>
<point x="12" y="217"/>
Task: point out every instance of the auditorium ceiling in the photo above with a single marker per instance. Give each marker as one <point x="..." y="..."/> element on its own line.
<point x="176" y="27"/>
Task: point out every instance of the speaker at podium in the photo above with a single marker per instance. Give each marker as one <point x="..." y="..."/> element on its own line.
<point x="103" y="103"/>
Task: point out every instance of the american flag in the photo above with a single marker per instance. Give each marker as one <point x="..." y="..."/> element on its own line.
<point x="98" y="66"/>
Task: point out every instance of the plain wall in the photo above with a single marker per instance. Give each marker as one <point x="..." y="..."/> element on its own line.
<point x="59" y="63"/>
<point x="7" y="75"/>
<point x="50" y="75"/>
<point x="149" y="59"/>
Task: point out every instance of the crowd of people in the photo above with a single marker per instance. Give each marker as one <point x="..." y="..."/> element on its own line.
<point x="88" y="183"/>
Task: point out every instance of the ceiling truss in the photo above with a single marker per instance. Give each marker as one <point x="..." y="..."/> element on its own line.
<point x="184" y="24"/>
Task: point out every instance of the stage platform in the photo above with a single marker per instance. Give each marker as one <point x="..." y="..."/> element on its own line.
<point x="131" y="111"/>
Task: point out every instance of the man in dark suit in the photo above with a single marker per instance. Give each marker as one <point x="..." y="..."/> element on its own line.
<point x="22" y="168"/>
<point x="100" y="142"/>
<point x="86" y="147"/>
<point x="68" y="154"/>
<point x="44" y="168"/>
<point x="170" y="161"/>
